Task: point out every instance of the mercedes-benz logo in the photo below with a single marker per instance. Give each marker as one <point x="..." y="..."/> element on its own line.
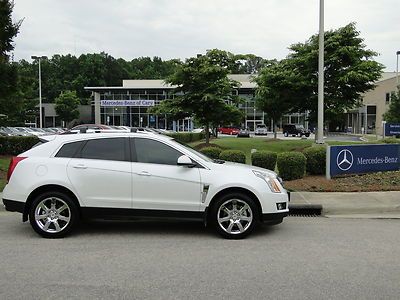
<point x="344" y="160"/>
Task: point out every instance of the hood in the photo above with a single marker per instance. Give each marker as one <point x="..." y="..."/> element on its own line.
<point x="236" y="166"/>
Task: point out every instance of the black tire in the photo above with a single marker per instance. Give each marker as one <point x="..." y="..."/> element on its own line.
<point x="217" y="212"/>
<point x="307" y="135"/>
<point x="65" y="213"/>
<point x="285" y="134"/>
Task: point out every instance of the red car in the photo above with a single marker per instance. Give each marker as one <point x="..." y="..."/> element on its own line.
<point x="231" y="130"/>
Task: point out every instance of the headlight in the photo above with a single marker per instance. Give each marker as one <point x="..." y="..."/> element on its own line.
<point x="272" y="181"/>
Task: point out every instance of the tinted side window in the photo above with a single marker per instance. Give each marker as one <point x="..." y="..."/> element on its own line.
<point x="154" y="152"/>
<point x="70" y="149"/>
<point x="106" y="149"/>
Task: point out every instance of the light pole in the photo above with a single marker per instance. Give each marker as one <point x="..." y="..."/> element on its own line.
<point x="320" y="133"/>
<point x="39" y="58"/>
<point x="254" y="116"/>
<point x="397" y="69"/>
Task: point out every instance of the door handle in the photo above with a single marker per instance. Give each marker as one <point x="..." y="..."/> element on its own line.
<point x="144" y="173"/>
<point x="80" y="166"/>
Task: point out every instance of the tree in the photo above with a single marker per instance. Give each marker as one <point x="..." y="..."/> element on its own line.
<point x="393" y="114"/>
<point x="350" y="71"/>
<point x="251" y="64"/>
<point x="66" y="106"/>
<point x="203" y="91"/>
<point x="276" y="86"/>
<point x="8" y="71"/>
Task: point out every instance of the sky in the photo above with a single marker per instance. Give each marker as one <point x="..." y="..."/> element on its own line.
<point x="181" y="29"/>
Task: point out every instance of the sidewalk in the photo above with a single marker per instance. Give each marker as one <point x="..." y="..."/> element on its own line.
<point x="352" y="205"/>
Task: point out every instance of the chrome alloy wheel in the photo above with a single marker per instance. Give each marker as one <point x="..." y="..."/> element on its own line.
<point x="234" y="216"/>
<point x="52" y="215"/>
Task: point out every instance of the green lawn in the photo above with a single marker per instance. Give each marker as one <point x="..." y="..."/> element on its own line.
<point x="246" y="144"/>
<point x="4" y="162"/>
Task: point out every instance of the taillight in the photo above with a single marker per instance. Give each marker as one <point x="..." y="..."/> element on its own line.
<point x="13" y="163"/>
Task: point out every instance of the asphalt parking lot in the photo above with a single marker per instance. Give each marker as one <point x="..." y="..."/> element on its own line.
<point x="303" y="258"/>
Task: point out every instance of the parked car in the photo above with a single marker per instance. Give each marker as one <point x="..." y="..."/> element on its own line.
<point x="231" y="130"/>
<point x="261" y="130"/>
<point x="69" y="177"/>
<point x="294" y="130"/>
<point x="15" y="132"/>
<point x="244" y="132"/>
<point x="4" y="131"/>
<point x="25" y="132"/>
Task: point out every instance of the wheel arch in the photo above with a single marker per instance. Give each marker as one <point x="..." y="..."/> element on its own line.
<point x="231" y="190"/>
<point x="46" y="188"/>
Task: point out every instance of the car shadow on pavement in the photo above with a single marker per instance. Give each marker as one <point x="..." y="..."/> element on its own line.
<point x="141" y="227"/>
<point x="157" y="227"/>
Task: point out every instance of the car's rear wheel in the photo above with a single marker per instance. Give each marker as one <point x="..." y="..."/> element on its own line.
<point x="53" y="214"/>
<point x="234" y="216"/>
<point x="286" y="134"/>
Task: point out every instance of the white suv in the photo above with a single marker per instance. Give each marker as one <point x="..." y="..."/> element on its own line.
<point x="70" y="177"/>
<point x="261" y="130"/>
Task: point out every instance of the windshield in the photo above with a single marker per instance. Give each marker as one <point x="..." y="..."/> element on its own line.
<point x="190" y="149"/>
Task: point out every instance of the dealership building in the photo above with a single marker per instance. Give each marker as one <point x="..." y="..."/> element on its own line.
<point x="129" y="105"/>
<point x="368" y="117"/>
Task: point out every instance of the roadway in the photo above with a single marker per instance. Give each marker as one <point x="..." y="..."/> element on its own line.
<point x="303" y="258"/>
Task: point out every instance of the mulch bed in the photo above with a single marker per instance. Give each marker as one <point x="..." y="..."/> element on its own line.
<point x="382" y="181"/>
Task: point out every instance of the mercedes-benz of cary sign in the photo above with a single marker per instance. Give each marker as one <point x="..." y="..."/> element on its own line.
<point x="69" y="177"/>
<point x="358" y="159"/>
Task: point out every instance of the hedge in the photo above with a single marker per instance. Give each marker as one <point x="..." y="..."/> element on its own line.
<point x="291" y="165"/>
<point x="264" y="159"/>
<point x="212" y="152"/>
<point x="233" y="155"/>
<point x="316" y="160"/>
<point x="187" y="137"/>
<point x="391" y="140"/>
<point x="14" y="145"/>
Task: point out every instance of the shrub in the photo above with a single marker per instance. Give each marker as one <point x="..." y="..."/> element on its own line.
<point x="233" y="155"/>
<point x="391" y="141"/>
<point x="264" y="159"/>
<point x="212" y="152"/>
<point x="291" y="165"/>
<point x="316" y="160"/>
<point x="187" y="137"/>
<point x="14" y="145"/>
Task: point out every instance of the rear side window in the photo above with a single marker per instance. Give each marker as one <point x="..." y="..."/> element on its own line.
<point x="154" y="152"/>
<point x="106" y="149"/>
<point x="70" y="149"/>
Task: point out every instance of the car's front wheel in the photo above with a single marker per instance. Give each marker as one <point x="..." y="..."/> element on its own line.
<point x="234" y="216"/>
<point x="53" y="214"/>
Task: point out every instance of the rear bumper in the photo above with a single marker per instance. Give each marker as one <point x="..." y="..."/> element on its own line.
<point x="12" y="205"/>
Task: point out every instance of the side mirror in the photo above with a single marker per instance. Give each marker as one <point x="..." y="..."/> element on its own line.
<point x="185" y="161"/>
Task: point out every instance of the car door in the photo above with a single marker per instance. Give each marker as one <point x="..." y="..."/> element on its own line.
<point x="158" y="182"/>
<point x="101" y="173"/>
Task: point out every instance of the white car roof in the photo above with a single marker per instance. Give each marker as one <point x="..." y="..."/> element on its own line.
<point x="63" y="138"/>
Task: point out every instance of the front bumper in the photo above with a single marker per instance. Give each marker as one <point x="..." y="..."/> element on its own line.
<point x="274" y="218"/>
<point x="12" y="205"/>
